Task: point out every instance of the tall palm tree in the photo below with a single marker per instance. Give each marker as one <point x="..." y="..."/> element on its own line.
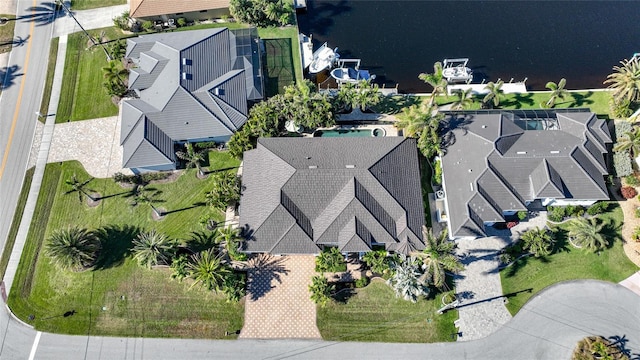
<point x="417" y="120"/>
<point x="436" y="80"/>
<point x="438" y="257"/>
<point x="114" y="73"/>
<point x="79" y="187"/>
<point x="367" y="95"/>
<point x="463" y="99"/>
<point x="406" y="279"/>
<point x="629" y="141"/>
<point x="193" y="157"/>
<point x="538" y="241"/>
<point x="557" y="92"/>
<point x="153" y="248"/>
<point x="625" y="80"/>
<point x="73" y="248"/>
<point x="208" y="270"/>
<point x="494" y="94"/>
<point x="587" y="234"/>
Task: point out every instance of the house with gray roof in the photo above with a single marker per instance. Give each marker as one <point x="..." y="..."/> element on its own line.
<point x="300" y="195"/>
<point x="499" y="162"/>
<point x="191" y="86"/>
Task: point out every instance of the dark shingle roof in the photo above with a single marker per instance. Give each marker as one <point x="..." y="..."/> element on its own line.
<point x="342" y="192"/>
<point x="495" y="165"/>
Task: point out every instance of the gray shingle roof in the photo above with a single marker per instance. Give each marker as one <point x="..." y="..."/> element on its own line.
<point x="349" y="193"/>
<point x="190" y="89"/>
<point x="495" y="165"/>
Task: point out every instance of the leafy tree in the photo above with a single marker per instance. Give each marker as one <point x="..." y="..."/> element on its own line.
<point x="117" y="50"/>
<point x="73" y="248"/>
<point x="330" y="260"/>
<point x="463" y="100"/>
<point x="79" y="187"/>
<point x="418" y="120"/>
<point x="193" y="157"/>
<point x="625" y="80"/>
<point x="557" y="92"/>
<point x="320" y="290"/>
<point x="377" y="261"/>
<point x="494" y="94"/>
<point x="406" y="279"/>
<point x="153" y="248"/>
<point x="261" y="13"/>
<point x="438" y="257"/>
<point x="231" y="239"/>
<point x="235" y="286"/>
<point x="305" y="106"/>
<point x="226" y="190"/>
<point x="241" y="141"/>
<point x="429" y="143"/>
<point x="122" y="22"/>
<point x="208" y="270"/>
<point x="587" y="234"/>
<point x="538" y="241"/>
<point x="436" y="80"/>
<point x="629" y="141"/>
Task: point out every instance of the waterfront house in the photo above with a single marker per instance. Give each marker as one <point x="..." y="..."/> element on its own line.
<point x="499" y="162"/>
<point x="163" y="10"/>
<point x="191" y="86"/>
<point x="300" y="195"/>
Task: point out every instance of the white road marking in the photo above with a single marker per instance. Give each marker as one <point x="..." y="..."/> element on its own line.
<point x="35" y="345"/>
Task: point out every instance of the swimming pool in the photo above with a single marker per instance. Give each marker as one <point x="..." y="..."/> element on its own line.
<point x="349" y="133"/>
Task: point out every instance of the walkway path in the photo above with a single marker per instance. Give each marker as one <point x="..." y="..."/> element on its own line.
<point x="278" y="303"/>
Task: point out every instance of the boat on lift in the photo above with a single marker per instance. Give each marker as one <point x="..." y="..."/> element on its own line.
<point x="350" y="74"/>
<point x="323" y="58"/>
<point x="456" y="70"/>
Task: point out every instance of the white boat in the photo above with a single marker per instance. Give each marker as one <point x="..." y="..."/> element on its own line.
<point x="456" y="70"/>
<point x="345" y="74"/>
<point x="323" y="58"/>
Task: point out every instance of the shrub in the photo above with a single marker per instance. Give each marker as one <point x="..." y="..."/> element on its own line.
<point x="437" y="172"/>
<point x="261" y="13"/>
<point x="182" y="22"/>
<point x="597" y="208"/>
<point x="180" y="267"/>
<point x="205" y="145"/>
<point x="522" y="215"/>
<point x="377" y="261"/>
<point x="330" y="260"/>
<point x="637" y="212"/>
<point x="122" y="21"/>
<point x="556" y="213"/>
<point x="622" y="127"/>
<point x="636" y="234"/>
<point x="511" y="224"/>
<point x="362" y="282"/>
<point x="147" y="25"/>
<point x="225" y="191"/>
<point x="628" y="192"/>
<point x="620" y="109"/>
<point x="622" y="163"/>
<point x="569" y="210"/>
<point x="320" y="290"/>
<point x="234" y="286"/>
<point x="578" y="211"/>
<point x="631" y="180"/>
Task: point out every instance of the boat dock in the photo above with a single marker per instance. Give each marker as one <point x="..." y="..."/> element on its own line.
<point x="518" y="87"/>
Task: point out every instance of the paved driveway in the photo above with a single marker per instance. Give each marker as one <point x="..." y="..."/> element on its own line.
<point x="278" y="303"/>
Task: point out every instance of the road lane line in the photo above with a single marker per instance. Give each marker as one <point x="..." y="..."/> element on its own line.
<point x="19" y="101"/>
<point x="32" y="354"/>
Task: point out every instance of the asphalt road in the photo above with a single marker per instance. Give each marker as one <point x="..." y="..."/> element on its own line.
<point x="548" y="327"/>
<point x="19" y="102"/>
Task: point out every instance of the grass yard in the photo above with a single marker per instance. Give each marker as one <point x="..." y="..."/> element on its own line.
<point x="6" y="33"/>
<point x="51" y="67"/>
<point x="15" y="224"/>
<point x="374" y="313"/>
<point x="136" y="301"/>
<point x="82" y="95"/>
<point x="568" y="264"/>
<point x="92" y="4"/>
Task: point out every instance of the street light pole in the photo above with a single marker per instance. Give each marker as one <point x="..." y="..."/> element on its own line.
<point x="61" y="3"/>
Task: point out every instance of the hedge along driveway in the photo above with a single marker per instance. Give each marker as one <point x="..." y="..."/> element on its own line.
<point x="119" y="298"/>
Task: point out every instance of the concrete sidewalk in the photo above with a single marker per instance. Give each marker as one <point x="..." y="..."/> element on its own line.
<point x="90" y="19"/>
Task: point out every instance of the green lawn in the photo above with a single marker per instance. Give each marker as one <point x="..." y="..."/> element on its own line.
<point x="6" y="33"/>
<point x="136" y="301"/>
<point x="568" y="264"/>
<point x="51" y="66"/>
<point x="374" y="313"/>
<point x="82" y="95"/>
<point x="92" y="4"/>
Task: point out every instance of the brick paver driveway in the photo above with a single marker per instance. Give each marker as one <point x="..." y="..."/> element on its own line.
<point x="278" y="303"/>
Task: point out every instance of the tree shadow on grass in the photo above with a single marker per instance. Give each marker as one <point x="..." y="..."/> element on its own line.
<point x="116" y="245"/>
<point x="612" y="232"/>
<point x="513" y="268"/>
<point x="342" y="296"/>
<point x="201" y="241"/>
<point x="518" y="100"/>
<point x="394" y="104"/>
<point x="263" y="269"/>
<point x="580" y="100"/>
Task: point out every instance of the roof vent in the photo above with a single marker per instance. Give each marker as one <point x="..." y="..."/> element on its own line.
<point x="555" y="151"/>
<point x="313" y="166"/>
<point x="471" y="186"/>
<point x="484" y="126"/>
<point x="218" y="91"/>
<point x="521" y="152"/>
<point x="350" y="166"/>
<point x="186" y="61"/>
<point x="470" y="170"/>
<point x="186" y="76"/>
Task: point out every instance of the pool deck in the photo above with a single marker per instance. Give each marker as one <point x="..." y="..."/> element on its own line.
<point x="358" y="115"/>
<point x="390" y="130"/>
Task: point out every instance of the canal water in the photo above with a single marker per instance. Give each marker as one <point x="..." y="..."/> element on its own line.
<point x="539" y="40"/>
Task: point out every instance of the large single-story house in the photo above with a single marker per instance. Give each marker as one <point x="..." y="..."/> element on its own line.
<point x="191" y="86"/>
<point x="175" y="9"/>
<point x="300" y="195"/>
<point x="499" y="162"/>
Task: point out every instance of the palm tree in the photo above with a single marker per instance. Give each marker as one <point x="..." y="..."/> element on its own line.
<point x="78" y="186"/>
<point x="463" y="99"/>
<point x="143" y="195"/>
<point x="625" y="80"/>
<point x="225" y="191"/>
<point x="193" y="157"/>
<point x="587" y="234"/>
<point x="231" y="240"/>
<point x="73" y="248"/>
<point x="406" y="279"/>
<point x="629" y="141"/>
<point x="436" y="80"/>
<point x="494" y="94"/>
<point x="538" y="241"/>
<point x="208" y="270"/>
<point x="367" y="95"/>
<point x="417" y="120"/>
<point x="113" y="73"/>
<point x="557" y="92"/>
<point x="320" y="290"/>
<point x="437" y="258"/>
<point x="153" y="248"/>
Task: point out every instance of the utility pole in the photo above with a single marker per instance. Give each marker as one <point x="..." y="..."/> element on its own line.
<point x="68" y="11"/>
